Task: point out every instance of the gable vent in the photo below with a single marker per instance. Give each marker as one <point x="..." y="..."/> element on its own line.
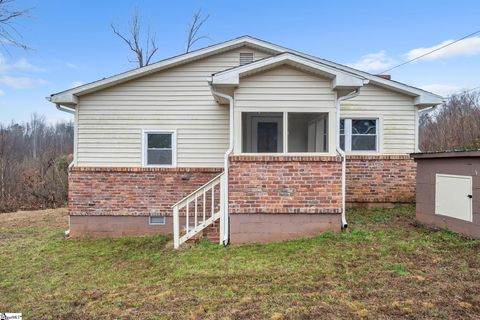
<point x="246" y="57"/>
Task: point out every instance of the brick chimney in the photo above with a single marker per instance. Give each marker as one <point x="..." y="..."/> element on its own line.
<point x="384" y="76"/>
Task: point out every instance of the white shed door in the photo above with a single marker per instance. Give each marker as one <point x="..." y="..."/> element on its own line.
<point x="453" y="196"/>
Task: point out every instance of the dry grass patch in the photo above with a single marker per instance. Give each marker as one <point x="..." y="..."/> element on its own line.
<point x="384" y="266"/>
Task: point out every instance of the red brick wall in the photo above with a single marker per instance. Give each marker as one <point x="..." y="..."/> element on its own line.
<point x="380" y="179"/>
<point x="285" y="184"/>
<point x="132" y="191"/>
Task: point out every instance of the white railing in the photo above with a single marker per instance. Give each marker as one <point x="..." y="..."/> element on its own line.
<point x="198" y="210"/>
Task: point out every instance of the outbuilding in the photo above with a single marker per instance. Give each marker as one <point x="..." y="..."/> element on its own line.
<point x="448" y="190"/>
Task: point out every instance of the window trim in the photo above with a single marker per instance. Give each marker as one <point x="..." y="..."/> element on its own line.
<point x="150" y="223"/>
<point x="145" y="134"/>
<point x="348" y="134"/>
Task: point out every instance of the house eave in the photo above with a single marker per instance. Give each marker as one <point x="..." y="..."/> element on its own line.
<point x="422" y="98"/>
<point x="340" y="79"/>
<point x="161" y="65"/>
<point x="65" y="99"/>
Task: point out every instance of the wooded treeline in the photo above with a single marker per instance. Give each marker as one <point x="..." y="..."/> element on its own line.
<point x="453" y="125"/>
<point x="34" y="158"/>
<point x="34" y="155"/>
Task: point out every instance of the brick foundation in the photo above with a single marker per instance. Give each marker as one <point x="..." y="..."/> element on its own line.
<point x="380" y="179"/>
<point x="285" y="184"/>
<point x="264" y="228"/>
<point x="116" y="226"/>
<point x="132" y="191"/>
<point x="118" y="201"/>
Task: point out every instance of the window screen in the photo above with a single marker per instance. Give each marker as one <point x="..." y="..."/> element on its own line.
<point x="307" y="132"/>
<point x="159" y="148"/>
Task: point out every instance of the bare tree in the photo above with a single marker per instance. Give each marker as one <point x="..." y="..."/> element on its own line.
<point x="34" y="179"/>
<point x="453" y="125"/>
<point x="9" y="34"/>
<point x="193" y="29"/>
<point x="143" y="53"/>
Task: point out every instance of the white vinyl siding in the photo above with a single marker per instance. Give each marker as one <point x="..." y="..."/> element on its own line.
<point x="110" y="122"/>
<point x="284" y="89"/>
<point x="396" y="114"/>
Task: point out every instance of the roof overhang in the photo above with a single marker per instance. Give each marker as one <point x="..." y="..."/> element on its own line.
<point x="339" y="79"/>
<point x="421" y="97"/>
<point x="69" y="97"/>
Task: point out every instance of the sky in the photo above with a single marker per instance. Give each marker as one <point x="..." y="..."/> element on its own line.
<point x="72" y="41"/>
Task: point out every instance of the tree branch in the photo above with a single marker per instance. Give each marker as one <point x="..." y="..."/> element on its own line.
<point x="9" y="35"/>
<point x="194" y="27"/>
<point x="134" y="40"/>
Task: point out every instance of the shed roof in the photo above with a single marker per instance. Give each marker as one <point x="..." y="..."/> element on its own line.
<point x="461" y="153"/>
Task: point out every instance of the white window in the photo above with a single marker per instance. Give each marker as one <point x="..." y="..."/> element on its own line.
<point x="359" y="135"/>
<point x="153" y="220"/>
<point x="159" y="148"/>
<point x="264" y="132"/>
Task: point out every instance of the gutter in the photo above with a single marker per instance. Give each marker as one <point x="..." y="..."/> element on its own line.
<point x="342" y="153"/>
<point x="64" y="109"/>
<point x="226" y="217"/>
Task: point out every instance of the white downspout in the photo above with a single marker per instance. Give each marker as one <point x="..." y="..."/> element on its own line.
<point x="226" y="217"/>
<point x="67" y="110"/>
<point x="342" y="153"/>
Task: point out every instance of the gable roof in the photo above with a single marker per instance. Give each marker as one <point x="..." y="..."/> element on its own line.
<point x="340" y="79"/>
<point x="70" y="97"/>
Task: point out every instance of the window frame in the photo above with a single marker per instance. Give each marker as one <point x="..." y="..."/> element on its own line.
<point x="239" y="134"/>
<point x="145" y="134"/>
<point x="348" y="134"/>
<point x="157" y="223"/>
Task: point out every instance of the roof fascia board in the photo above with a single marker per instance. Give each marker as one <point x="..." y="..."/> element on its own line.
<point x="64" y="99"/>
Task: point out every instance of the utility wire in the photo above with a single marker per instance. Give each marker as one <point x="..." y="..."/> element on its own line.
<point x="462" y="91"/>
<point x="430" y="52"/>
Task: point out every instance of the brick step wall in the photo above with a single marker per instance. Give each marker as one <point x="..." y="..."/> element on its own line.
<point x="210" y="233"/>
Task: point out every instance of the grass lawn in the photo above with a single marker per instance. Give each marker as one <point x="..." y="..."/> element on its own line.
<point x="384" y="266"/>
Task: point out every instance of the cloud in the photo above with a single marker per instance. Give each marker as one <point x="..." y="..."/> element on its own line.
<point x="442" y="89"/>
<point x="21" y="82"/>
<point x="466" y="47"/>
<point x="76" y="84"/>
<point x="2" y="93"/>
<point x="378" y="61"/>
<point x="24" y="65"/>
<point x="19" y="65"/>
<point x="71" y="65"/>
